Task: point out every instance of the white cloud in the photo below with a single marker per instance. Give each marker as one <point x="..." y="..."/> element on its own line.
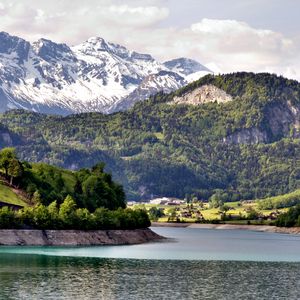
<point x="227" y="45"/>
<point x="230" y="46"/>
<point x="72" y="21"/>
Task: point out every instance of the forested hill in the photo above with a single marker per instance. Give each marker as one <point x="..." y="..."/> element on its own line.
<point x="236" y="135"/>
<point x="39" y="183"/>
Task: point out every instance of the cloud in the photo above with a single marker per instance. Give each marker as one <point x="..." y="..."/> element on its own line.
<point x="237" y="45"/>
<point x="71" y="21"/>
<point x="227" y="45"/>
<point x="141" y="16"/>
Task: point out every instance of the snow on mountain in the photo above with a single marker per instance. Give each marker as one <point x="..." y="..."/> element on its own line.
<point x="163" y="81"/>
<point x="94" y="76"/>
<point x="190" y="69"/>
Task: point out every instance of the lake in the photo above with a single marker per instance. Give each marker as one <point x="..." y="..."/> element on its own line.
<point x="192" y="264"/>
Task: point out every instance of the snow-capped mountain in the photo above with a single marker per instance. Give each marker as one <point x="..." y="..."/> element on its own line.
<point x="94" y="76"/>
<point x="165" y="81"/>
<point x="188" y="68"/>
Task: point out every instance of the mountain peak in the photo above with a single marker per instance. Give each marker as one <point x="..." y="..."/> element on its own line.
<point x="49" y="51"/>
<point x="97" y="42"/>
<point x="4" y="34"/>
<point x="14" y="46"/>
<point x="96" y="45"/>
<point x="185" y="66"/>
<point x="93" y="76"/>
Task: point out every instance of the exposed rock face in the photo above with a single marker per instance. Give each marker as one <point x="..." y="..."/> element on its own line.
<point x="8" y="138"/>
<point x="203" y="94"/>
<point x="246" y="136"/>
<point x="282" y="119"/>
<point x="16" y="237"/>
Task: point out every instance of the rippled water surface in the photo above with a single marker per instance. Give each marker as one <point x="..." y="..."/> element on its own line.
<point x="203" y="264"/>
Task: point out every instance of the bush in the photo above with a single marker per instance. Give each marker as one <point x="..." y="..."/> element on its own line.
<point x="290" y="218"/>
<point x="8" y="219"/>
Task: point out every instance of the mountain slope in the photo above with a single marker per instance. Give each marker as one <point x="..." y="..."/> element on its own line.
<point x="11" y="196"/>
<point x="163" y="81"/>
<point x="245" y="147"/>
<point x="94" y="76"/>
<point x="190" y="69"/>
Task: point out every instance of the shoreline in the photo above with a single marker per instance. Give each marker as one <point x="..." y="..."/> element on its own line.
<point x="32" y="237"/>
<point x="260" y="228"/>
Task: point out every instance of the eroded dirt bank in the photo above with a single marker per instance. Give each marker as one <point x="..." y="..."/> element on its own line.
<point x="15" y="237"/>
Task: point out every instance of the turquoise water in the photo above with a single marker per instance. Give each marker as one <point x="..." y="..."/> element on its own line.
<point x="190" y="244"/>
<point x="193" y="264"/>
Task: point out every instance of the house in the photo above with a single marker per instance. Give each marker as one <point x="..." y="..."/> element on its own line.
<point x="273" y="215"/>
<point x="166" y="201"/>
<point x="159" y="201"/>
<point x="132" y="203"/>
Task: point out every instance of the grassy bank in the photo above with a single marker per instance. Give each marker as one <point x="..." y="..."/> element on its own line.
<point x="11" y="196"/>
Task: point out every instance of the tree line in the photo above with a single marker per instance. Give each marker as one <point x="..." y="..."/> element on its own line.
<point x="69" y="216"/>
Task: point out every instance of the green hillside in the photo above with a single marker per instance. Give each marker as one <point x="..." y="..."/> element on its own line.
<point x="8" y="195"/>
<point x="246" y="148"/>
<point x="40" y="183"/>
<point x="54" y="198"/>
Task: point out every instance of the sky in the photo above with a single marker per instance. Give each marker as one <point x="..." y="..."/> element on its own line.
<point x="225" y="35"/>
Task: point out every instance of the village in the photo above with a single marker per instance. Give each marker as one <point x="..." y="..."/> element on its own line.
<point x="167" y="209"/>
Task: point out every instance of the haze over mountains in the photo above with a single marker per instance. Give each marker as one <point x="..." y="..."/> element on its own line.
<point x="95" y="76"/>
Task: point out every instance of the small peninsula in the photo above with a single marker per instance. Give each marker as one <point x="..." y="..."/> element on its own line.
<point x="45" y="205"/>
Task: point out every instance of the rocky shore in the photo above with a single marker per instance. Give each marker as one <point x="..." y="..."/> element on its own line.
<point x="262" y="228"/>
<point x="26" y="237"/>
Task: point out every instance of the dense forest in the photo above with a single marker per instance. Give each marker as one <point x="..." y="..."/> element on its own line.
<point x="42" y="183"/>
<point x="243" y="149"/>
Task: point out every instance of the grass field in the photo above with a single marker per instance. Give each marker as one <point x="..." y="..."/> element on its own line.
<point x="235" y="209"/>
<point x="7" y="195"/>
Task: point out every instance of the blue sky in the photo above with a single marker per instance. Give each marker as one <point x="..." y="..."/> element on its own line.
<point x="225" y="35"/>
<point x="278" y="15"/>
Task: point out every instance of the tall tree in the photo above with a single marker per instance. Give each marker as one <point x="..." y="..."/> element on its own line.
<point x="15" y="170"/>
<point x="6" y="156"/>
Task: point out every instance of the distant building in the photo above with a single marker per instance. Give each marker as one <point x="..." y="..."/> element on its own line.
<point x="160" y="201"/>
<point x="131" y="203"/>
<point x="167" y="201"/>
<point x="176" y="202"/>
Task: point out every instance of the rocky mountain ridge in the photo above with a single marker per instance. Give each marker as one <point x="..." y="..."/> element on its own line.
<point x="96" y="75"/>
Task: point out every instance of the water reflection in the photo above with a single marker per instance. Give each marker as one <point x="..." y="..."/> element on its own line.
<point x="29" y="276"/>
<point x="45" y="277"/>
